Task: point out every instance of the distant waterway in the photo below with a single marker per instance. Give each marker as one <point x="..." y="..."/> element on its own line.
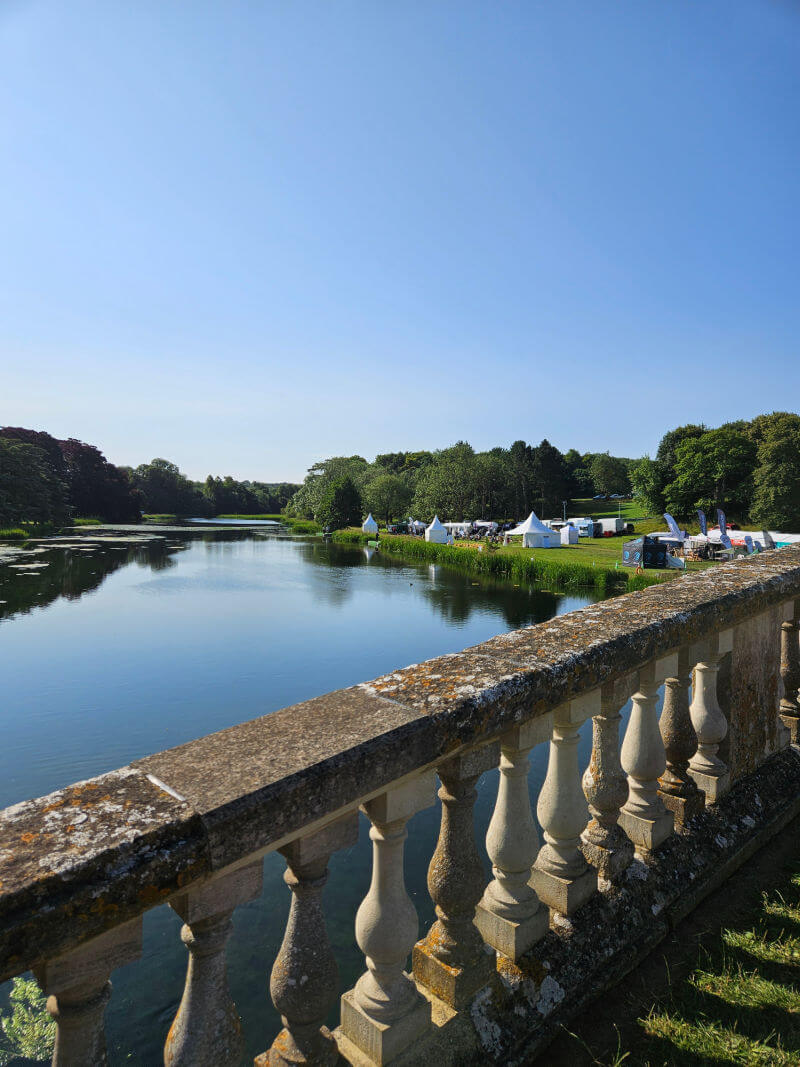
<point x="112" y="651"/>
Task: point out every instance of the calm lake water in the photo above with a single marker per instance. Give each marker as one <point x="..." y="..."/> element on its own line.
<point x="109" y="654"/>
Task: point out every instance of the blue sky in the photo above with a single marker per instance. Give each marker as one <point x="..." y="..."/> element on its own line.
<point x="247" y="235"/>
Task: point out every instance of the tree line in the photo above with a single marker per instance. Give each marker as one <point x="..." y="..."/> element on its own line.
<point x="456" y="483"/>
<point x="750" y="469"/>
<point x="47" y="481"/>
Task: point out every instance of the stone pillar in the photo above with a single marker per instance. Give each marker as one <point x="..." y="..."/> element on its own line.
<point x="305" y="979"/>
<point x="790" y="671"/>
<point x="677" y="788"/>
<point x="510" y="915"/>
<point x="561" y="876"/>
<point x="644" y="818"/>
<point x="604" y="843"/>
<point x="705" y="767"/>
<point x="384" y="1013"/>
<point x="207" y="1028"/>
<point x="451" y="960"/>
<point x="77" y="987"/>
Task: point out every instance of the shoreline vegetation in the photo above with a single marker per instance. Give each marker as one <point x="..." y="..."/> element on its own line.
<point x="513" y="563"/>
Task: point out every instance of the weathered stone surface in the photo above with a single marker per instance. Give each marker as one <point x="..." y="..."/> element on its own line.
<point x="85" y="859"/>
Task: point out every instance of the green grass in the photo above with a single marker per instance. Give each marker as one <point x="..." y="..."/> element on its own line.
<point x="13" y="533"/>
<point x="298" y="526"/>
<point x="87" y="522"/>
<point x="741" y="1003"/>
<point x="160" y="518"/>
<point x="555" y="568"/>
<point x="629" y="510"/>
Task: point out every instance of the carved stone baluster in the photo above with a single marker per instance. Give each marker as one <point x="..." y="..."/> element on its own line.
<point x="510" y="916"/>
<point x="790" y="672"/>
<point x="305" y="979"/>
<point x="207" y="1028"/>
<point x="604" y="843"/>
<point x="677" y="788"/>
<point x="384" y="1013"/>
<point x="78" y="988"/>
<point x="644" y="818"/>
<point x="451" y="960"/>
<point x="561" y="875"/>
<point x="707" y="769"/>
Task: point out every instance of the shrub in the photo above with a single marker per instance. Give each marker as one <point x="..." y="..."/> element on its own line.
<point x="28" y="1032"/>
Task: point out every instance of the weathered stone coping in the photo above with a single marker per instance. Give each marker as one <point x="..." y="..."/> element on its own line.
<point x="86" y="858"/>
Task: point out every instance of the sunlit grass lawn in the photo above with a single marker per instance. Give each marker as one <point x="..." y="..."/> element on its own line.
<point x="741" y="1004"/>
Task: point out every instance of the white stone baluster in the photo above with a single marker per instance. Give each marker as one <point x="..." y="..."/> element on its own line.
<point x="305" y="979"/>
<point x="78" y="988"/>
<point x="604" y="843"/>
<point x="510" y="916"/>
<point x="207" y="1028"/>
<point x="561" y="876"/>
<point x="451" y="960"/>
<point x="706" y="768"/>
<point x="384" y="1013"/>
<point x="790" y="671"/>
<point x="644" y="818"/>
<point x="677" y="788"/>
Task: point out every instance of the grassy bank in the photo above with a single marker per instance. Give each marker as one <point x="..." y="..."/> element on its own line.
<point x="566" y="568"/>
<point x="724" y="989"/>
<point x="298" y="526"/>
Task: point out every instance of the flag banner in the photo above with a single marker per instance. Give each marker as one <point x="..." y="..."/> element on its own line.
<point x="723" y="526"/>
<point x="701" y="517"/>
<point x="673" y="526"/>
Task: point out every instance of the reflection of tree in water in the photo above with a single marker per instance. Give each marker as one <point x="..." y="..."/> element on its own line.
<point x="70" y="573"/>
<point x="331" y="581"/>
<point x="457" y="596"/>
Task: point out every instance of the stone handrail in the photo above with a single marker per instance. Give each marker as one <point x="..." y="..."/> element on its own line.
<point x="80" y="866"/>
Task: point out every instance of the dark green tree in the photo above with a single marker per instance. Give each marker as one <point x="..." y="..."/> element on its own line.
<point x="341" y="505"/>
<point x="714" y="470"/>
<point x="776" y="482"/>
<point x="387" y="496"/>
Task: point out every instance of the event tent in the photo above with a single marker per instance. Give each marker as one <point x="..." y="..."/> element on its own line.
<point x="369" y="526"/>
<point x="436" y="532"/>
<point x="534" y="534"/>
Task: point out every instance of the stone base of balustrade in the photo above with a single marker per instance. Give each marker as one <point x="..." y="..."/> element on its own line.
<point x="683" y="808"/>
<point x="647" y="834"/>
<point x="609" y="862"/>
<point x="564" y="895"/>
<point x="510" y="937"/>
<point x="714" y="786"/>
<point x="456" y="986"/>
<point x="382" y="1043"/>
<point x="792" y="724"/>
<point x="285" y="1053"/>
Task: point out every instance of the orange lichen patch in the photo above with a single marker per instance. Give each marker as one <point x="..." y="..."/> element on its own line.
<point x="28" y="837"/>
<point x="150" y="894"/>
<point x="526" y="967"/>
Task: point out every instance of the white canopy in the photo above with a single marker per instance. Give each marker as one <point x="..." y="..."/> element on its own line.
<point x="531" y="525"/>
<point x="436" y="532"/>
<point x="369" y="525"/>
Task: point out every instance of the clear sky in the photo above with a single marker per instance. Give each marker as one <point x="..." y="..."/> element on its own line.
<point x="247" y="235"/>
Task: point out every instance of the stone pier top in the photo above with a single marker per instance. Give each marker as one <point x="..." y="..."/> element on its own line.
<point x="89" y="857"/>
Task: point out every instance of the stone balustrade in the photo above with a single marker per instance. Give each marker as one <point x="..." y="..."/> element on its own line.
<point x="697" y="780"/>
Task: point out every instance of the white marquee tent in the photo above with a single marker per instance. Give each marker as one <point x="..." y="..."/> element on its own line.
<point x="436" y="532"/>
<point x="369" y="526"/>
<point x="534" y="534"/>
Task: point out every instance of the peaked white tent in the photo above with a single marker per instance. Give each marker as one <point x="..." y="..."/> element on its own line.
<point x="534" y="534"/>
<point x="369" y="525"/>
<point x="436" y="532"/>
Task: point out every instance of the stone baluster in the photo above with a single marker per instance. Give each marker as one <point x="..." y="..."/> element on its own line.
<point x="677" y="788"/>
<point x="305" y="979"/>
<point x="644" y="818"/>
<point x="705" y="766"/>
<point x="604" y="843"/>
<point x="207" y="1028"/>
<point x="384" y="1013"/>
<point x="561" y="876"/>
<point x="451" y="960"/>
<point x="510" y="916"/>
<point x="790" y="671"/>
<point x="77" y="987"/>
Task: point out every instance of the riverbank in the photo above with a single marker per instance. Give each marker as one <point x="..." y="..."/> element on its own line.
<point x="589" y="566"/>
